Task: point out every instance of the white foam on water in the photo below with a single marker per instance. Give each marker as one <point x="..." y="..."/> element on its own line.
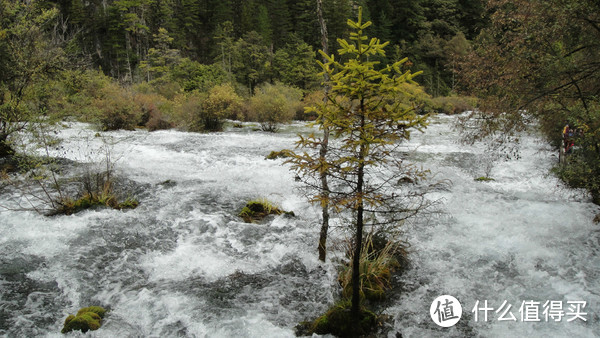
<point x="518" y="238"/>
<point x="183" y="263"/>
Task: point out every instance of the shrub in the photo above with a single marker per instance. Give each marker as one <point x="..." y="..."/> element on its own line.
<point x="158" y="122"/>
<point x="44" y="191"/>
<point x="96" y="189"/>
<point x="582" y="170"/>
<point x="274" y="104"/>
<point x="451" y="105"/>
<point x="188" y="110"/>
<point x="414" y="96"/>
<point x="149" y="106"/>
<point x="222" y="101"/>
<point x="165" y="87"/>
<point x="81" y="89"/>
<point x="115" y="109"/>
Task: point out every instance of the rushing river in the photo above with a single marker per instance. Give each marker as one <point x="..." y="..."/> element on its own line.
<point x="183" y="263"/>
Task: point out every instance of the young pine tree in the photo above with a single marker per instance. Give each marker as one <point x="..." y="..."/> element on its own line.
<point x="366" y="120"/>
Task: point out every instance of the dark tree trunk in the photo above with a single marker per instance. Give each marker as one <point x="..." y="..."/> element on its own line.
<point x="355" y="310"/>
<point x="324" y="145"/>
<point x="5" y="148"/>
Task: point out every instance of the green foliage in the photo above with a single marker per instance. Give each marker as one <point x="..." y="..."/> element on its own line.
<point x="582" y="171"/>
<point x="28" y="59"/>
<point x="133" y="40"/>
<point x="256" y="210"/>
<point x="187" y="110"/>
<point x="484" y="179"/>
<point x="366" y="112"/>
<point x="165" y="87"/>
<point x="294" y="65"/>
<point x="222" y="102"/>
<point x="80" y="89"/>
<point x="537" y="61"/>
<point x="161" y="58"/>
<point x="197" y="111"/>
<point x="89" y="318"/>
<point x="452" y="105"/>
<point x="192" y="75"/>
<point x="250" y="60"/>
<point x="274" y="104"/>
<point x="115" y="108"/>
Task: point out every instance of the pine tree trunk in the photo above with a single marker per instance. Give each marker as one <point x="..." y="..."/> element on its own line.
<point x="127" y="50"/>
<point x="355" y="310"/>
<point x="324" y="146"/>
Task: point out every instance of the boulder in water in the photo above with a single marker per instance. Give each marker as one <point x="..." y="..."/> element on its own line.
<point x="87" y="318"/>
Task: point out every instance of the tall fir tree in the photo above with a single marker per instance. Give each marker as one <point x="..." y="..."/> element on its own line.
<point x="365" y="114"/>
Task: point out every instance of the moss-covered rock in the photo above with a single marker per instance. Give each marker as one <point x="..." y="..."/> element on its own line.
<point x="257" y="210"/>
<point x="88" y="318"/>
<point x="338" y="321"/>
<point x="484" y="179"/>
<point x="100" y="311"/>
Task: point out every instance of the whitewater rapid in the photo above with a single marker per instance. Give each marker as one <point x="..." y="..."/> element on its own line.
<point x="184" y="264"/>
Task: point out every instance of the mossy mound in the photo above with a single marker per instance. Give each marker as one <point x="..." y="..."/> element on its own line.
<point x="257" y="210"/>
<point x="87" y="318"/>
<point x="484" y="179"/>
<point x="338" y="321"/>
<point x="285" y="153"/>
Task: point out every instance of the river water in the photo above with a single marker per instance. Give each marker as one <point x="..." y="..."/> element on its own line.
<point x="183" y="263"/>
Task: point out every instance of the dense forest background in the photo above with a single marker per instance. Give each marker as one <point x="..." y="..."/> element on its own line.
<point x="252" y="38"/>
<point x="192" y="64"/>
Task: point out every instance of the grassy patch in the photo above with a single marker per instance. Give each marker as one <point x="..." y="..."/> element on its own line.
<point x="377" y="263"/>
<point x="69" y="206"/>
